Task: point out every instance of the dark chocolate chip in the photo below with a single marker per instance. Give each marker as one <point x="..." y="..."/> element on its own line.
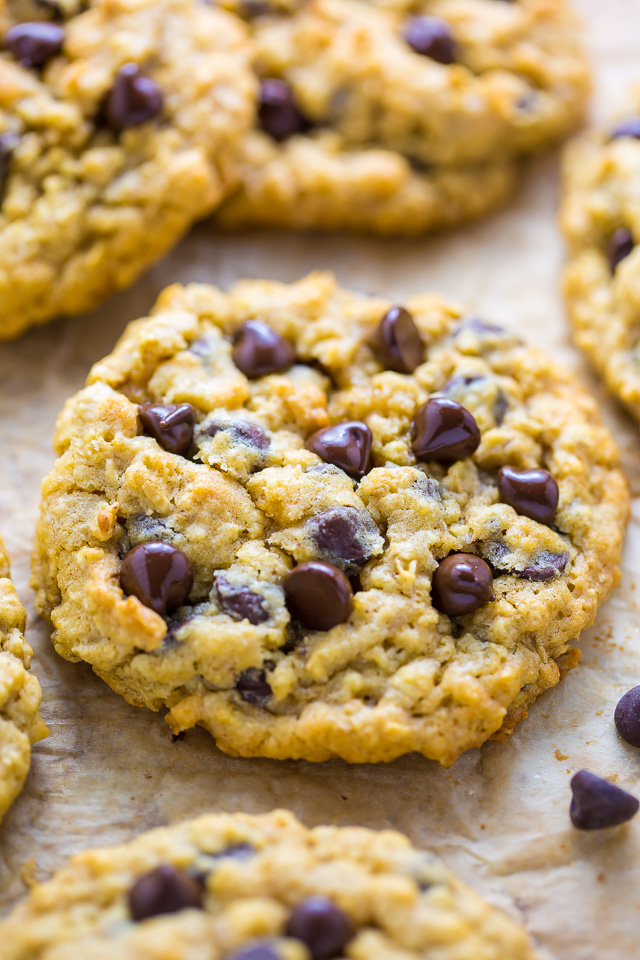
<point x="432" y="38"/>
<point x="249" y="433"/>
<point x="159" y="575"/>
<point x="133" y="99"/>
<point x="343" y="535"/>
<point x="163" y="890"/>
<point x="444" y="431"/>
<point x="255" y="951"/>
<point x="258" y="350"/>
<point x="318" y="594"/>
<point x="597" y="804"/>
<point x="397" y="343"/>
<point x="546" y="567"/>
<point x="34" y="44"/>
<point x="278" y="111"/>
<point x="627" y="717"/>
<point x="533" y="493"/>
<point x="239" y="602"/>
<point x="620" y="246"/>
<point x="628" y="128"/>
<point x="171" y="424"/>
<point x="8" y="143"/>
<point x="347" y="445"/>
<point x="320" y="924"/>
<point x="461" y="584"/>
<point x="253" y="687"/>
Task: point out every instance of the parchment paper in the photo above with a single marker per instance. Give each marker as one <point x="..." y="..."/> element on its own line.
<point x="499" y="816"/>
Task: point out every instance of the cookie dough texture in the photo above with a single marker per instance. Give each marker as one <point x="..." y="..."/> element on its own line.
<point x="397" y="676"/>
<point x="402" y="903"/>
<point x="84" y="210"/>
<point x="20" y="693"/>
<point x="400" y="143"/>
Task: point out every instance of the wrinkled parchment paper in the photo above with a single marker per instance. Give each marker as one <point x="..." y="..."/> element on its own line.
<point x="499" y="816"/>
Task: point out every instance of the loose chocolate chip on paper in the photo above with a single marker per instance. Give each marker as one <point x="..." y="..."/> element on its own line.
<point x="318" y="595"/>
<point x="320" y="924"/>
<point x="159" y="575"/>
<point x="397" y="342"/>
<point x="133" y="99"/>
<point x="258" y="350"/>
<point x="597" y="804"/>
<point x="444" y="431"/>
<point x="171" y="424"/>
<point x="34" y="44"/>
<point x="461" y="584"/>
<point x="431" y="37"/>
<point x="532" y="493"/>
<point x="627" y="717"/>
<point x="253" y="687"/>
<point x="278" y="113"/>
<point x="164" y="889"/>
<point x="346" y="445"/>
<point x="620" y="246"/>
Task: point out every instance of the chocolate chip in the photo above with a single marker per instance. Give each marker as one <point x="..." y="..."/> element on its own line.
<point x="171" y="424"/>
<point x="239" y="602"/>
<point x="620" y="246"/>
<point x="246" y="432"/>
<point x="628" y="128"/>
<point x="597" y="804"/>
<point x="347" y="445"/>
<point x="444" y="431"/>
<point x="480" y="326"/>
<point x="344" y="536"/>
<point x="133" y="99"/>
<point x="163" y="890"/>
<point x="397" y="342"/>
<point x="253" y="687"/>
<point x="546" y="567"/>
<point x="259" y="350"/>
<point x="8" y="143"/>
<point x="627" y="717"/>
<point x="255" y="951"/>
<point x="533" y="493"/>
<point x="33" y="44"/>
<point x="239" y="851"/>
<point x="461" y="584"/>
<point x="318" y="595"/>
<point x="278" y="112"/>
<point x="432" y="38"/>
<point x="320" y="924"/>
<point x="159" y="575"/>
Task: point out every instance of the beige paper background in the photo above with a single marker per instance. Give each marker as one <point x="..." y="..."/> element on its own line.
<point x="500" y="815"/>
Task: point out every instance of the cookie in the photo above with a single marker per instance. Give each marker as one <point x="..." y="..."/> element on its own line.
<point x="20" y="722"/>
<point x="601" y="223"/>
<point x="117" y="130"/>
<point x="401" y="116"/>
<point x="259" y="888"/>
<point x="321" y="525"/>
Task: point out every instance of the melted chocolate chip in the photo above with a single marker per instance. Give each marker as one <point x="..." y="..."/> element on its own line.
<point x="597" y="804"/>
<point x="546" y="567"/>
<point x="461" y="584"/>
<point x="620" y="246"/>
<point x="253" y="687"/>
<point x="627" y="717"/>
<point x="397" y="343"/>
<point x="347" y="445"/>
<point x="320" y="924"/>
<point x="318" y="595"/>
<point x="34" y="44"/>
<point x="258" y="350"/>
<point x="256" y="951"/>
<point x="133" y="99"/>
<point x="8" y="143"/>
<point x="249" y="433"/>
<point x="432" y="38"/>
<point x="171" y="424"/>
<point x="628" y="128"/>
<point x="343" y="535"/>
<point x="159" y="575"/>
<point x="480" y="326"/>
<point x="533" y="493"/>
<point x="239" y="602"/>
<point x="278" y="112"/>
<point x="444" y="431"/>
<point x="163" y="890"/>
<point x="239" y="851"/>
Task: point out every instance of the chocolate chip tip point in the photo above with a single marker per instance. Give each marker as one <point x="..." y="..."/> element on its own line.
<point x="259" y="524"/>
<point x="119" y="124"/>
<point x="239" y="887"/>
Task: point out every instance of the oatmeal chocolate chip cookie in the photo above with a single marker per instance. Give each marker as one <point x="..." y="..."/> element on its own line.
<point x="320" y="524"/>
<point x="238" y="887"/>
<point x="118" y="125"/>
<point x="401" y="117"/>
<point x="20" y="722"/>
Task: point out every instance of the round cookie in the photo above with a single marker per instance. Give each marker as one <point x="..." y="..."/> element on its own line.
<point x="255" y="550"/>
<point x="20" y="722"/>
<point x="118" y="126"/>
<point x="401" y="117"/>
<point x="259" y="888"/>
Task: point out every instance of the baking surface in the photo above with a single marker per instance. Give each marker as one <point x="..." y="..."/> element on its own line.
<point x="499" y="816"/>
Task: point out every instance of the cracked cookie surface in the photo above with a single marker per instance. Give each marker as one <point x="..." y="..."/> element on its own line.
<point x="118" y="125"/>
<point x="282" y="597"/>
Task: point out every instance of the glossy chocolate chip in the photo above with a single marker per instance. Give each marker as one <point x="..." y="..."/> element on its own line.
<point x="253" y="687"/>
<point x="532" y="493"/>
<point x="34" y="44"/>
<point x="346" y="445"/>
<point x="546" y="566"/>
<point x="159" y="575"/>
<point x="620" y="246"/>
<point x="461" y="584"/>
<point x="597" y="804"/>
<point x="163" y="890"/>
<point x="258" y="350"/>
<point x="444" y="431"/>
<point x="431" y="37"/>
<point x="171" y="424"/>
<point x="318" y="595"/>
<point x="320" y="924"/>
<point x="133" y="99"/>
<point x="628" y="128"/>
<point x="278" y="112"/>
<point x="397" y="343"/>
<point x="256" y="951"/>
<point x="345" y="536"/>
<point x="239" y="602"/>
<point x="627" y="717"/>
